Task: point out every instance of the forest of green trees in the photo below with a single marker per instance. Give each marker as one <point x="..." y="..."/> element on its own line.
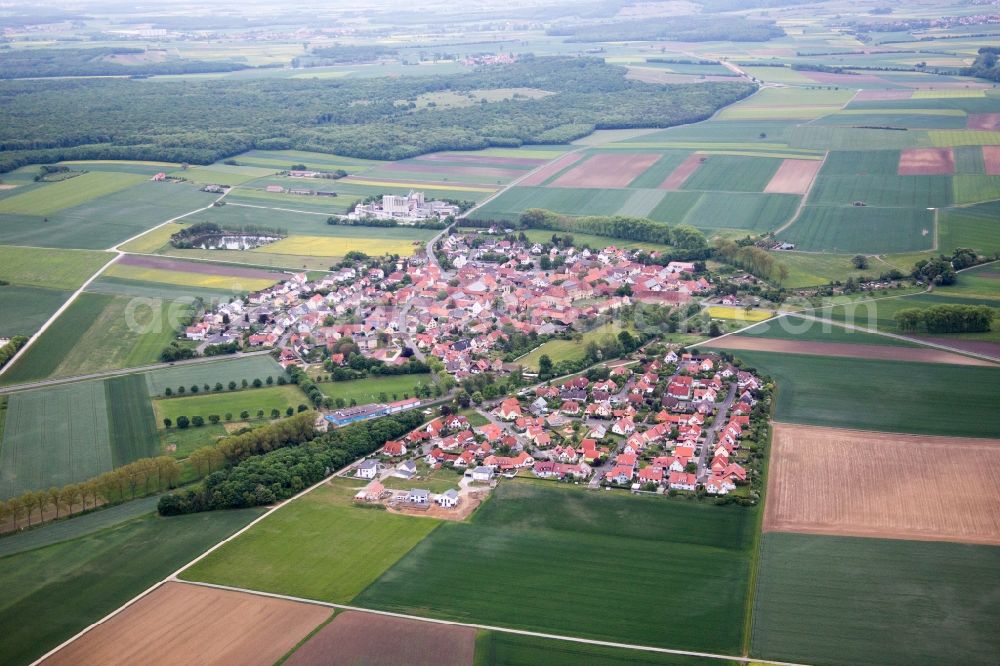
<point x="677" y="28"/>
<point x="203" y="121"/>
<point x="25" y="63"/>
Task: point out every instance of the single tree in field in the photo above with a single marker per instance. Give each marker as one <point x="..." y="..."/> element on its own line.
<point x="260" y="413"/>
<point x="167" y="423"/>
<point x="290" y="411"/>
<point x="545" y="366"/>
<point x="232" y="386"/>
<point x="244" y="415"/>
<point x="183" y="422"/>
<point x="275" y="413"/>
<point x="213" y="418"/>
<point x="860" y="261"/>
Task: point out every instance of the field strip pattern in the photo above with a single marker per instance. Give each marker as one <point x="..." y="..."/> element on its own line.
<point x="847" y="349"/>
<point x="857" y="483"/>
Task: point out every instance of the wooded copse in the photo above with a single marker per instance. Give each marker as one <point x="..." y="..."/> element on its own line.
<point x="264" y="479"/>
<point x="203" y="121"/>
<point x="683" y="236"/>
<point x="946" y="319"/>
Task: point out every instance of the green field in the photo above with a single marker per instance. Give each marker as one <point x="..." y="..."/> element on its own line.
<point x="370" y="389"/>
<point x="976" y="227"/>
<point x="911" y="397"/>
<point x="882" y="190"/>
<point x="53" y="269"/>
<point x="642" y="202"/>
<point x="285" y="159"/>
<point x="674" y="206"/>
<point x="811" y="269"/>
<point x="847" y="601"/>
<point x="568" y="201"/>
<point x="654" y="176"/>
<point x="808" y="330"/>
<point x="909" y="120"/>
<point x="727" y="173"/>
<point x="861" y="163"/>
<point x="223" y="370"/>
<point x="99" y="572"/>
<point x="497" y="648"/>
<point x="975" y="188"/>
<point x="819" y="137"/>
<point x="615" y="545"/>
<point x="742" y="210"/>
<point x="104" y="221"/>
<point x="181" y="443"/>
<point x="25" y="309"/>
<point x="318" y="547"/>
<point x="204" y="403"/>
<point x="849" y="229"/>
<point x="53" y="197"/>
<point x="55" y="436"/>
<point x="566" y="350"/>
<point x="130" y="420"/>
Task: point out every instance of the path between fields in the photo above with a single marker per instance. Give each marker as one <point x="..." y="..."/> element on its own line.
<point x="13" y="388"/>
<point x="72" y="298"/>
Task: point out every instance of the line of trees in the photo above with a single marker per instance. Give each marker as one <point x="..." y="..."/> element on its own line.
<point x="626" y="228"/>
<point x="232" y="386"/>
<point x="183" y="422"/>
<point x="946" y="319"/>
<point x="8" y="350"/>
<point x="752" y="259"/>
<point x="278" y="474"/>
<point x="136" y="479"/>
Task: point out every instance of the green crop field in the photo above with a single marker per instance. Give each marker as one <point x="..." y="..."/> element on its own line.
<point x="969" y="160"/>
<point x="809" y="330"/>
<point x="911" y="397"/>
<point x="881" y="315"/>
<point x="821" y="137"/>
<point x="224" y="370"/>
<point x="130" y="420"/>
<point x="25" y="309"/>
<point x="883" y="190"/>
<point x="850" y="229"/>
<point x="114" y="286"/>
<point x="975" y="188"/>
<point x="727" y="173"/>
<point x="99" y="572"/>
<point x="642" y="202"/>
<point x="910" y="120"/>
<point x="861" y="163"/>
<point x="104" y="221"/>
<point x="221" y="174"/>
<point x="615" y="545"/>
<point x="568" y="201"/>
<point x="742" y="210"/>
<point x="849" y="601"/>
<point x="206" y="403"/>
<point x="674" y="206"/>
<point x="260" y="197"/>
<point x="45" y="355"/>
<point x="318" y="547"/>
<point x="54" y="436"/>
<point x="285" y="159"/>
<point x="948" y="138"/>
<point x="54" y="269"/>
<point x="53" y="197"/>
<point x="810" y="269"/>
<point x="497" y="648"/>
<point x="656" y="174"/>
<point x="371" y="389"/>
<point x="976" y="227"/>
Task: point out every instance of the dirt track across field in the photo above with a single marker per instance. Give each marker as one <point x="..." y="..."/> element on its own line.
<point x="376" y="640"/>
<point x="189" y="624"/>
<point x="607" y="170"/>
<point x="883" y="485"/>
<point x="926" y="162"/>
<point x="794" y="177"/>
<point x="991" y="160"/>
<point x="879" y="352"/>
<point x="683" y="171"/>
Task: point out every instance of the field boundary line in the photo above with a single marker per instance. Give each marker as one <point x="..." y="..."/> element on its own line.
<point x="805" y="198"/>
<point x="487" y="627"/>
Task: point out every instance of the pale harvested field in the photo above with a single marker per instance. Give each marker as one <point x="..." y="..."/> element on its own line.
<point x="682" y="172"/>
<point x="882" y="95"/>
<point x="984" y="121"/>
<point x="377" y="640"/>
<point x="846" y="349"/>
<point x="991" y="160"/>
<point x="607" y="170"/>
<point x="180" y="623"/>
<point x="886" y="485"/>
<point x="794" y="177"/>
<point x="552" y="168"/>
<point x="926" y="162"/>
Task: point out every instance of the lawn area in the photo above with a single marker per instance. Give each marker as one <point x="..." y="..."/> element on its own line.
<point x="185" y="441"/>
<point x="566" y="350"/>
<point x="54" y="436"/>
<point x="615" y="544"/>
<point x="53" y="197"/>
<point x="847" y="601"/>
<point x="739" y="314"/>
<point x="98" y="572"/>
<point x="496" y="648"/>
<point x="434" y="480"/>
<point x="230" y="402"/>
<point x="53" y="269"/>
<point x="318" y="547"/>
<point x="223" y="370"/>
<point x="371" y="389"/>
<point x="911" y="397"/>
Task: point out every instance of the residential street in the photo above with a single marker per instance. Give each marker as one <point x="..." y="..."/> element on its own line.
<point x="717" y="424"/>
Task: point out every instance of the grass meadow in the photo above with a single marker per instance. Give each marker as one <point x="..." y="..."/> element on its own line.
<point x="567" y="350"/>
<point x="586" y="564"/>
<point x="233" y="402"/>
<point x="371" y="389"/>
<point x="318" y="547"/>
<point x="911" y="397"/>
<point x="846" y="601"/>
<point x="222" y="370"/>
<point x="99" y="572"/>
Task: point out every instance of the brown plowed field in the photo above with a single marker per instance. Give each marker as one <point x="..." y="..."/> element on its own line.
<point x="926" y="162"/>
<point x="607" y="170"/>
<point x="984" y="121"/>
<point x="682" y="172"/>
<point x="884" y="485"/>
<point x="850" y="350"/>
<point x="794" y="176"/>
<point x="991" y="159"/>
<point x="199" y="267"/>
<point x="189" y="624"/>
<point x="378" y="640"/>
<point x="552" y="168"/>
